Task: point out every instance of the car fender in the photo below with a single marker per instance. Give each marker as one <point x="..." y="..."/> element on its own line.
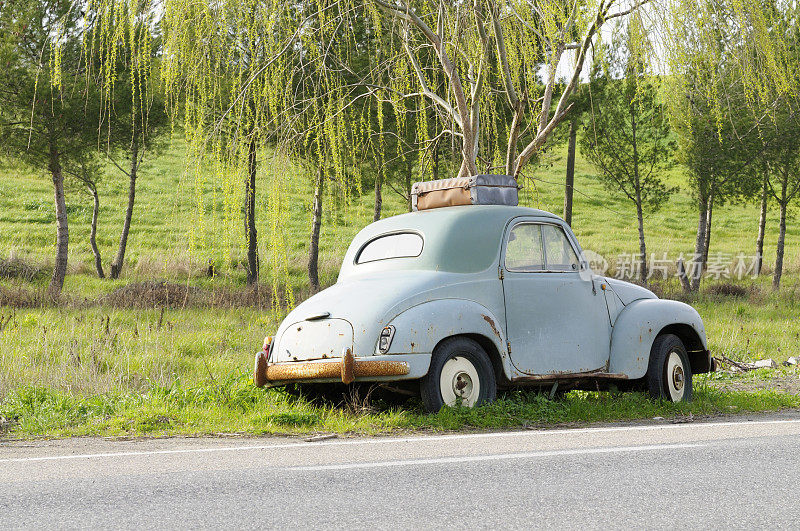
<point x="420" y="328"/>
<point x="637" y="327"/>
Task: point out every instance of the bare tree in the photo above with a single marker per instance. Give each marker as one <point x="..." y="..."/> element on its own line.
<point x="449" y="34"/>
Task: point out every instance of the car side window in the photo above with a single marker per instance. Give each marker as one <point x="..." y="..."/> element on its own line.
<point x="524" y="248"/>
<point x="559" y="254"/>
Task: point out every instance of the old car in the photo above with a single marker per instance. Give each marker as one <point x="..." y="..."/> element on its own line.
<point x="461" y="301"/>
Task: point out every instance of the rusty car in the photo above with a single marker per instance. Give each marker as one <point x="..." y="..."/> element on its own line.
<point x="457" y="302"/>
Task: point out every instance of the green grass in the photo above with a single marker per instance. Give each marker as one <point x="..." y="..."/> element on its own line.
<point x="172" y="238"/>
<point x="233" y="405"/>
<point x="83" y="367"/>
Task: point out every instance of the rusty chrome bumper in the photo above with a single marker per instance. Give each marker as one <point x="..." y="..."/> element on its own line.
<point x="347" y="369"/>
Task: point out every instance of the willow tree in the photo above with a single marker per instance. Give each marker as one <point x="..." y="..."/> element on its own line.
<point x="492" y="52"/>
<point x="245" y="75"/>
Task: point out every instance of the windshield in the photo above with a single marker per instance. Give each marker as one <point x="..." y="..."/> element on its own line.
<point x="398" y="245"/>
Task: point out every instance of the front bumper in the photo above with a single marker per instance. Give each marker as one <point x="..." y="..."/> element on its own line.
<point x="347" y="369"/>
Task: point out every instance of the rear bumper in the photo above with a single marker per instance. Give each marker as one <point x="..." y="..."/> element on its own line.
<point x="346" y="369"/>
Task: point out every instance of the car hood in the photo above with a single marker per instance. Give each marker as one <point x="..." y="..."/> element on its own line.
<point x="368" y="303"/>
<point x="628" y="292"/>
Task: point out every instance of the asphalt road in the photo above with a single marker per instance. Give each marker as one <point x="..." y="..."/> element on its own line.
<point x="743" y="473"/>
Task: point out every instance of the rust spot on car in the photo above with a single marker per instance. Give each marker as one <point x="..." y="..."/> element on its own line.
<point x="598" y="374"/>
<point x="347" y="368"/>
<point x="491" y="323"/>
<point x="348" y="372"/>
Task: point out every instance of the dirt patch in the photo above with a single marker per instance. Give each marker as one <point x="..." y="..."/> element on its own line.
<point x="144" y="295"/>
<point x="152" y="294"/>
<point x="728" y="290"/>
<point x="163" y="294"/>
<point x="23" y="298"/>
<point x="784" y="384"/>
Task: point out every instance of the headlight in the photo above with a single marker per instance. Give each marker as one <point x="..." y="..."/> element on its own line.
<point x="385" y="341"/>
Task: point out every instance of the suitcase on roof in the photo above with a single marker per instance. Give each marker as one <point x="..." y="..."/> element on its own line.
<point x="476" y="190"/>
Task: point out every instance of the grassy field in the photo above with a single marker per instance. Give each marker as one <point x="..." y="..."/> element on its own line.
<point x="172" y="237"/>
<point x="104" y="362"/>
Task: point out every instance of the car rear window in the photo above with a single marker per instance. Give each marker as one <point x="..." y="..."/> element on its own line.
<point x="397" y="245"/>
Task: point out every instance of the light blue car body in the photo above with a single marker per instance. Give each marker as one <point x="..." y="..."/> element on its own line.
<point x="535" y="326"/>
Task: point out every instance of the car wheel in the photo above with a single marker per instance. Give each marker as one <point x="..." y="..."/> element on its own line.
<point x="460" y="374"/>
<point x="669" y="375"/>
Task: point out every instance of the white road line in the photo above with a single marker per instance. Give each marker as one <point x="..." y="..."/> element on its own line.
<point x="496" y="457"/>
<point x="389" y="440"/>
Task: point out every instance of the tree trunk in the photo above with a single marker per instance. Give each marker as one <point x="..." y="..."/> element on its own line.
<point x="697" y="268"/>
<point x="762" y="225"/>
<point x="98" y="262"/>
<point x="250" y="214"/>
<point x="685" y="283"/>
<point x="62" y="226"/>
<point x="642" y="246"/>
<point x="709" y="212"/>
<point x="776" y="276"/>
<point x="570" y="182"/>
<point x="638" y="191"/>
<point x="316" y="224"/>
<point x="376" y="215"/>
<point x="409" y="171"/>
<point x="435" y="159"/>
<point x="468" y="154"/>
<point x="119" y="259"/>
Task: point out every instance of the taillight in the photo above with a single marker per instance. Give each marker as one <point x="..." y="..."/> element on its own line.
<point x="385" y="339"/>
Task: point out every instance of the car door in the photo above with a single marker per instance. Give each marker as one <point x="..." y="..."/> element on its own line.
<point x="556" y="319"/>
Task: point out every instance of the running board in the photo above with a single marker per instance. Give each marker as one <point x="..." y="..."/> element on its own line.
<point x="595" y="375"/>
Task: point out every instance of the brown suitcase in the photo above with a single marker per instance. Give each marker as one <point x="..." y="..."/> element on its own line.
<point x="476" y="190"/>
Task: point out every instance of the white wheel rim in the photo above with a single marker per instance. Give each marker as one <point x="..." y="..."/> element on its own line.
<point x="459" y="382"/>
<point x="675" y="376"/>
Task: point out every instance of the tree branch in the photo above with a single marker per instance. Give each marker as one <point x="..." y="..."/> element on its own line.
<point x="511" y="92"/>
<point x="628" y="11"/>
<point x="426" y="91"/>
<point x="561" y="111"/>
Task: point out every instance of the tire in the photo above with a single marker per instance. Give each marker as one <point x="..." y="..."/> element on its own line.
<point x="458" y="365"/>
<point x="669" y="374"/>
